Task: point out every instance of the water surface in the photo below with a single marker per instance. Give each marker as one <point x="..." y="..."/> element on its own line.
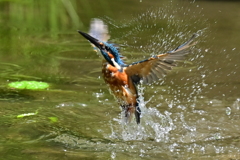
<point x="193" y="113"/>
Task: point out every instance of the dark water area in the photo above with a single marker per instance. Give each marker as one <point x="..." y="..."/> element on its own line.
<point x="192" y="113"/>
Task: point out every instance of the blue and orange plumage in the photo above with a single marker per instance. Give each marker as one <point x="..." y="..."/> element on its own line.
<point x="122" y="78"/>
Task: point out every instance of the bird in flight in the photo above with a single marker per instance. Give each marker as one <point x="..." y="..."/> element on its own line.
<point x="122" y="78"/>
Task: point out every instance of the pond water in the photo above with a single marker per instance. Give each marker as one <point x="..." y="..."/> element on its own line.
<point x="193" y="113"/>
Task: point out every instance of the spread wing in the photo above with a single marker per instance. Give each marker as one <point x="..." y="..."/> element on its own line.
<point x="156" y="67"/>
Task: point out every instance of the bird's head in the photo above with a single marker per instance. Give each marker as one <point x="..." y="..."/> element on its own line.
<point x="108" y="50"/>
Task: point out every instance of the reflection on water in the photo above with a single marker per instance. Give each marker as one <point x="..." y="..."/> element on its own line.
<point x="193" y="113"/>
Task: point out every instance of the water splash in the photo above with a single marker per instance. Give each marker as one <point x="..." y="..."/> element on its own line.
<point x="154" y="124"/>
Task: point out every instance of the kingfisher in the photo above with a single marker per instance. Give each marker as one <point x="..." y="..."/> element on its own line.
<point x="123" y="78"/>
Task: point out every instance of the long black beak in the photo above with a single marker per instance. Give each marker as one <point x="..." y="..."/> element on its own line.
<point x="91" y="39"/>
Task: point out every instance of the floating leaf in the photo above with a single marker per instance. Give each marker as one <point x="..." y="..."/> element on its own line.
<point x="53" y="119"/>
<point x="34" y="85"/>
<point x="27" y="114"/>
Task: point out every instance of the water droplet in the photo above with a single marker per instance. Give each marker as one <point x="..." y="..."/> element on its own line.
<point x="228" y="111"/>
<point x="84" y="105"/>
<point x="113" y="155"/>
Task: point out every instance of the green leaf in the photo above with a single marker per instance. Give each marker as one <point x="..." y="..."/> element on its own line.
<point x="33" y="85"/>
<point x="53" y="119"/>
<point x="27" y="114"/>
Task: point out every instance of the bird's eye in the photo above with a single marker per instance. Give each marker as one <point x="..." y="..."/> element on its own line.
<point x="104" y="47"/>
<point x="107" y="48"/>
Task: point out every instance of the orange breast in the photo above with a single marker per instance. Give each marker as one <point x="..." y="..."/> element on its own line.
<point x="120" y="85"/>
